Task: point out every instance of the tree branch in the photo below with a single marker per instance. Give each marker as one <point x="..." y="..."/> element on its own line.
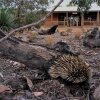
<point x="32" y="24"/>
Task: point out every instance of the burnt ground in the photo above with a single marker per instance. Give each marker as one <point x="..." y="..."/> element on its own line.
<point x="13" y="74"/>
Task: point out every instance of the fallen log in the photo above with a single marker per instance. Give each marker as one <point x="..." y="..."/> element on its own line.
<point x="31" y="55"/>
<point x="49" y="31"/>
<point x="92" y="38"/>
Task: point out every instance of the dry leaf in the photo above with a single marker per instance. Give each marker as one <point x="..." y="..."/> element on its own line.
<point x="87" y="64"/>
<point x="1" y="75"/>
<point x="37" y="93"/>
<point x="4" y="88"/>
<point x="29" y="83"/>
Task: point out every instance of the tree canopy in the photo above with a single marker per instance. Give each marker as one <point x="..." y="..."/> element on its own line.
<point x="26" y="4"/>
<point x="84" y="5"/>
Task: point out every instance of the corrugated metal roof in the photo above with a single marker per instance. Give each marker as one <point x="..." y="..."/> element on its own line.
<point x="94" y="7"/>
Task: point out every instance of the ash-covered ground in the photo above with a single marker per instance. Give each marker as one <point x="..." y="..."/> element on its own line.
<point x="12" y="74"/>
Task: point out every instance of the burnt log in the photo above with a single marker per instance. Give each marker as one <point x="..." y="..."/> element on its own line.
<point x="92" y="38"/>
<point x="49" y="31"/>
<point x="31" y="55"/>
<point x="63" y="48"/>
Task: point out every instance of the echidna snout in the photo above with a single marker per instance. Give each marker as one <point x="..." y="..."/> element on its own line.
<point x="70" y="68"/>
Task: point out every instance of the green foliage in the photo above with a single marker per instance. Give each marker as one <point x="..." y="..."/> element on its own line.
<point x="26" y="4"/>
<point x="6" y="20"/>
<point x="84" y="5"/>
<point x="30" y="17"/>
<point x="98" y="2"/>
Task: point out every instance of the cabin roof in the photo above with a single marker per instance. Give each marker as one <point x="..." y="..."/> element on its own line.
<point x="94" y="7"/>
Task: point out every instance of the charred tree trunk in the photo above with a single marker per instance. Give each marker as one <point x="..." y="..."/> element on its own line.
<point x="30" y="55"/>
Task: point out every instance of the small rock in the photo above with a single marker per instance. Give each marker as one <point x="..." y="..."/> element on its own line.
<point x="38" y="93"/>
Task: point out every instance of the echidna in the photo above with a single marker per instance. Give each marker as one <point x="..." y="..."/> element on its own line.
<point x="70" y="68"/>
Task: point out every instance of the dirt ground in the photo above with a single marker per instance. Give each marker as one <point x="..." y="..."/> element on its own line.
<point x="18" y="77"/>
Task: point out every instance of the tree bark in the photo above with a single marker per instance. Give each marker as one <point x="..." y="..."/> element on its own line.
<point x="30" y="55"/>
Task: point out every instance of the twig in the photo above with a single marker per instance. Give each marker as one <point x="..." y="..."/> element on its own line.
<point x="32" y="24"/>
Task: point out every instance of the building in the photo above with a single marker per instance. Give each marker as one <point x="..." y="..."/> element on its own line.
<point x="69" y="16"/>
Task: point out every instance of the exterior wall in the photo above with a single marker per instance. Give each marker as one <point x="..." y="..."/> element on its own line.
<point x="83" y="21"/>
<point x="52" y="20"/>
<point x="47" y="22"/>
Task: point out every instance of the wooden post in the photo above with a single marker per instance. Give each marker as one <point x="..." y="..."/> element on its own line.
<point x="57" y="19"/>
<point x="67" y="18"/>
<point x="82" y="19"/>
<point x="64" y="21"/>
<point x="98" y="16"/>
<point x="77" y="21"/>
<point x="51" y="19"/>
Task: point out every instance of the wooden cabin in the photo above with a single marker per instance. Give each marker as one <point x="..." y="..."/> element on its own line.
<point x="69" y="16"/>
